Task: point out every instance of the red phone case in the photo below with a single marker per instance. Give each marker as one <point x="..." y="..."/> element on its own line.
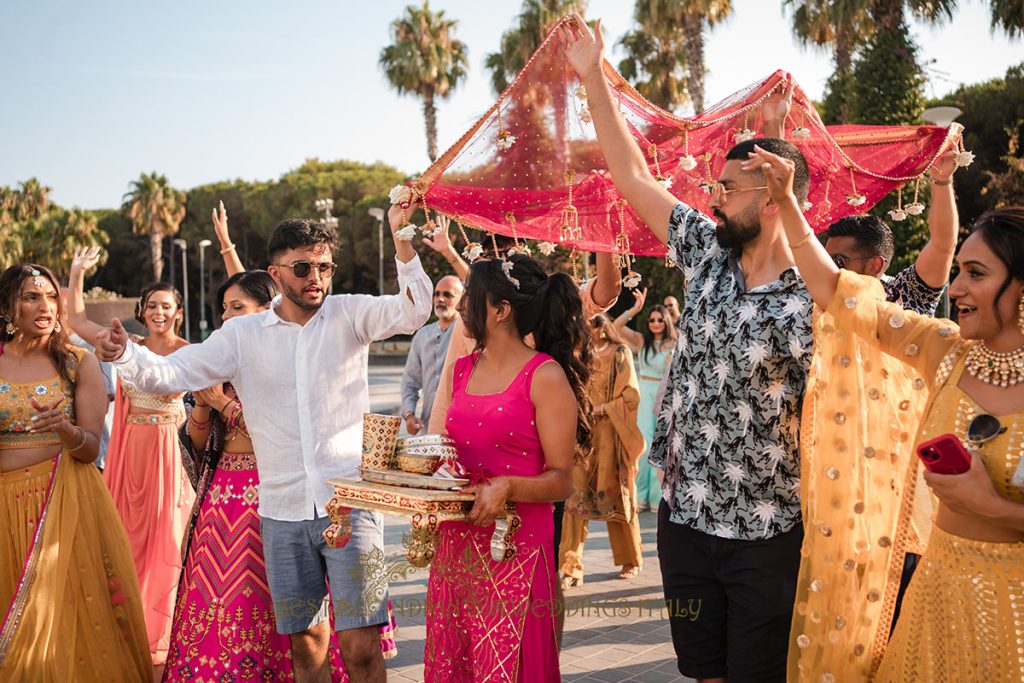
<point x="944" y="454"/>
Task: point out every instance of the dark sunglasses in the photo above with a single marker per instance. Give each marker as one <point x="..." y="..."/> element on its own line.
<point x="841" y="260"/>
<point x="984" y="427"/>
<point x="304" y="268"/>
<point x="655" y="320"/>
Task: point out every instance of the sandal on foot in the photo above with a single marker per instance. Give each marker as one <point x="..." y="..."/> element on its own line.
<point x="568" y="581"/>
<point x="629" y="572"/>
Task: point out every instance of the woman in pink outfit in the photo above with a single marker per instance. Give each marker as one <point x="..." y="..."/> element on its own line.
<point x="144" y="469"/>
<point x="508" y="416"/>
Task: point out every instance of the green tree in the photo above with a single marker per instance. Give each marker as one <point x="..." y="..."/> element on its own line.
<point x="519" y="42"/>
<point x="1007" y="188"/>
<point x="655" y="60"/>
<point x="425" y="60"/>
<point x="696" y="17"/>
<point x="156" y="210"/>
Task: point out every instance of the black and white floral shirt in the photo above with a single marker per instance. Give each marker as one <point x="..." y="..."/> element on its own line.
<point x="728" y="429"/>
<point x="907" y="289"/>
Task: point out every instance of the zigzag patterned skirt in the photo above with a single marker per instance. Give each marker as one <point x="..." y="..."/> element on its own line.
<point x="224" y="628"/>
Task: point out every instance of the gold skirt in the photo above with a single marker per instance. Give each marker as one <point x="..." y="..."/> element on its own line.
<point x="68" y="590"/>
<point x="963" y="616"/>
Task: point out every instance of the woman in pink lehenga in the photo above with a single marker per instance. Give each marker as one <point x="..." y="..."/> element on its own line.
<point x="224" y="624"/>
<point x="510" y="415"/>
<point x="144" y="469"/>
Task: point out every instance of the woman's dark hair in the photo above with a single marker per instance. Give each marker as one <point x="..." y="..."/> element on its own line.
<point x="148" y="291"/>
<point x="257" y="285"/>
<point x="1003" y="232"/>
<point x="58" y="345"/>
<point x="547" y="306"/>
<point x="602" y="323"/>
<point x="645" y="330"/>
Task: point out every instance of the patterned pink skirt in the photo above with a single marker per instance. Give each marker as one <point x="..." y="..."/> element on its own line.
<point x="489" y="621"/>
<point x="224" y="627"/>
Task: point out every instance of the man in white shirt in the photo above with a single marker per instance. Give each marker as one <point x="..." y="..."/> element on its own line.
<point x="300" y="370"/>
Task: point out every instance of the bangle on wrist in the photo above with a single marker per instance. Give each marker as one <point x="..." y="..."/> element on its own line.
<point x="82" y="435"/>
<point x="805" y="240"/>
<point x="230" y="247"/>
<point x="942" y="183"/>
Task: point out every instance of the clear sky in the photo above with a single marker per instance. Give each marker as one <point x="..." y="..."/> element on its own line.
<point x="204" y="90"/>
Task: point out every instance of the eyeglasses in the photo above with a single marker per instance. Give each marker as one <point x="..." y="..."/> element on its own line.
<point x="723" y="192"/>
<point x="841" y="259"/>
<point x="984" y="427"/>
<point x="304" y="268"/>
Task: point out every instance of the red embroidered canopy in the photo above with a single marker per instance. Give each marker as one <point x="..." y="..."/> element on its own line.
<point x="531" y="166"/>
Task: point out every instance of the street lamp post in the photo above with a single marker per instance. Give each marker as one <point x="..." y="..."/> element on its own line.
<point x="942" y="116"/>
<point x="378" y="213"/>
<point x="203" y="325"/>
<point x="326" y="205"/>
<point x="183" y="245"/>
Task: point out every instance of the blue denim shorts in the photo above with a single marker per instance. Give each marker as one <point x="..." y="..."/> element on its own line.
<point x="302" y="570"/>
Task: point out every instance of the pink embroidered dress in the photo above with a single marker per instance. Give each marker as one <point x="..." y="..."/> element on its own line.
<point x="483" y="615"/>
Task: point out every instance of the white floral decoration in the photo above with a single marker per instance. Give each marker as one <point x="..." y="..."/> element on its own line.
<point x="505" y="140"/>
<point x="898" y="215"/>
<point x="664" y="181"/>
<point x="398" y="194"/>
<point x="856" y="199"/>
<point x="431" y="229"/>
<point x="581" y="92"/>
<point x="743" y="135"/>
<point x="800" y="133"/>
<point x="472" y="252"/>
<point x="806" y="205"/>
<point x="585" y="115"/>
<point x="632" y="280"/>
<point x="506" y="267"/>
<point x="914" y="209"/>
<point x="406" y="234"/>
<point x="546" y="248"/>
<point x="964" y="158"/>
<point x="688" y="163"/>
<point x="708" y="186"/>
<point x="523" y="249"/>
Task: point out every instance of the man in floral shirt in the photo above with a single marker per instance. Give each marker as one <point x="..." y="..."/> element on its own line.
<point x="729" y="529"/>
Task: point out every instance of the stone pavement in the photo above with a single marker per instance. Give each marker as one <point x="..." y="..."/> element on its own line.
<point x="615" y="630"/>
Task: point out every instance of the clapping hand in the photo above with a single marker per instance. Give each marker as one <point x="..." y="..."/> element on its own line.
<point x="111" y="341"/>
<point x="49" y="417"/>
<point x="778" y="173"/>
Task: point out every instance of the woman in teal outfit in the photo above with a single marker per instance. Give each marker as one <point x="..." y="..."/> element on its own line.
<point x="653" y="347"/>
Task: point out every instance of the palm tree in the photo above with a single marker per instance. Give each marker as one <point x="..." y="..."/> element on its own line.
<point x="765" y="511"/>
<point x="698" y="15"/>
<point x="776" y="454"/>
<point x="697" y="492"/>
<point x="31" y="200"/>
<point x="655" y="60"/>
<point x="156" y="210"/>
<point x="734" y="473"/>
<point x="425" y="60"/>
<point x="519" y="42"/>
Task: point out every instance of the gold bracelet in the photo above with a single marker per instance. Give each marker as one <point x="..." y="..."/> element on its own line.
<point x="942" y="183"/>
<point x="85" y="437"/>
<point x="227" y="249"/>
<point x="805" y="240"/>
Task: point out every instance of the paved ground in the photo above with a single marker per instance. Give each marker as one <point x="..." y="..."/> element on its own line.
<point x="615" y="630"/>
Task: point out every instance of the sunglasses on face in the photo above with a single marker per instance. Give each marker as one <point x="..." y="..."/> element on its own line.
<point x="984" y="427"/>
<point x="655" y="320"/>
<point x="841" y="259"/>
<point x="304" y="268"/>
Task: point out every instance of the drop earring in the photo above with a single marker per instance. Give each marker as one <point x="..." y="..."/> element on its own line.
<point x="9" y="328"/>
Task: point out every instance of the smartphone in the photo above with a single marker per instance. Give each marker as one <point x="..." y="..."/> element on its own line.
<point x="944" y="454"/>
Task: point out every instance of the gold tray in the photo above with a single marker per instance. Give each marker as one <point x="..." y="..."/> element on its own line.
<point x="410" y="480"/>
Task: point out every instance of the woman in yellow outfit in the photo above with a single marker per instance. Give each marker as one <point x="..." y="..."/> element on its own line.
<point x="605" y="484"/>
<point x="962" y="616"/>
<point x="68" y="591"/>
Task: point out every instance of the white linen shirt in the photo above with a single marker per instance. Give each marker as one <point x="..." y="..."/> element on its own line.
<point x="304" y="388"/>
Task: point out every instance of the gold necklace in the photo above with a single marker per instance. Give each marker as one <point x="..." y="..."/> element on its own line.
<point x="995" y="368"/>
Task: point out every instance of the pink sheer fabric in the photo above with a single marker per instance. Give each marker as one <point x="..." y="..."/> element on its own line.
<point x="534" y="154"/>
<point x="487" y="620"/>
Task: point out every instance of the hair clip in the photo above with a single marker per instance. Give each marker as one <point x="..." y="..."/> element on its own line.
<point x="506" y="268"/>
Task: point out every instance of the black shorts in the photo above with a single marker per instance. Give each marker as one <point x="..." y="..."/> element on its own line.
<point x="730" y="602"/>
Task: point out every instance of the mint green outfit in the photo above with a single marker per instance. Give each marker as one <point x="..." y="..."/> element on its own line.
<point x="650" y="369"/>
